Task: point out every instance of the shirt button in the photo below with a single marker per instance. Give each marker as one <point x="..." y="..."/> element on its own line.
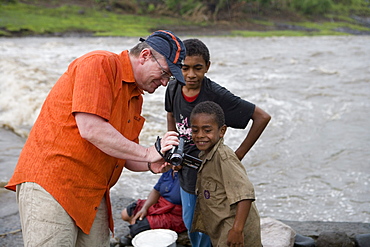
<point x="96" y="208"/>
<point x="129" y="121"/>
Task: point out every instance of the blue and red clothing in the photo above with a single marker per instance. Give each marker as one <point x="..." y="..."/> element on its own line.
<point x="167" y="212"/>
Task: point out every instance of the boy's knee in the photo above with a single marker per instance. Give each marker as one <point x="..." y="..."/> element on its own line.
<point x="139" y="226"/>
<point x="124" y="215"/>
<point x="128" y="212"/>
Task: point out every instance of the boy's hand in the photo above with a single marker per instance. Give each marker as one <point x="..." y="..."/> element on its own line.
<point x="139" y="215"/>
<point x="235" y="238"/>
<point x="176" y="168"/>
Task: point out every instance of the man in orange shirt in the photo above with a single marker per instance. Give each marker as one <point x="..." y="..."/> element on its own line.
<point x="87" y="131"/>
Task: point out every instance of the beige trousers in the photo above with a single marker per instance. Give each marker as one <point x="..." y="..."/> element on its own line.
<point x="45" y="223"/>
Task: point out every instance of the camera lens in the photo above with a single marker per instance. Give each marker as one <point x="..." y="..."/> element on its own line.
<point x="176" y="159"/>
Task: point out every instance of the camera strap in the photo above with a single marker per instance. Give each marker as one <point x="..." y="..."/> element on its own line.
<point x="157" y="145"/>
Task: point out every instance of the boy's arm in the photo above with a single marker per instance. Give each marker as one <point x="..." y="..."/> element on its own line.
<point x="152" y="199"/>
<point x="171" y="122"/>
<point x="236" y="236"/>
<point x="260" y="120"/>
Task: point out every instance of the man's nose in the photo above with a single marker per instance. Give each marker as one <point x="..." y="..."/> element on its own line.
<point x="164" y="81"/>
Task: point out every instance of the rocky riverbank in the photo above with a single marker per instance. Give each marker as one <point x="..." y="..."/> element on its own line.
<point x="309" y="233"/>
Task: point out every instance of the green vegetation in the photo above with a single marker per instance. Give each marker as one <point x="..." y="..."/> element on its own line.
<point x="285" y="33"/>
<point x="24" y="19"/>
<point x="140" y="17"/>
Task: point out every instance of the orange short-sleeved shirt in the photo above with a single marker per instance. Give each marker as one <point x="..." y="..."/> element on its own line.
<point x="55" y="156"/>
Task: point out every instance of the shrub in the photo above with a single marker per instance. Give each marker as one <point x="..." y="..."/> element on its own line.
<point x="310" y="7"/>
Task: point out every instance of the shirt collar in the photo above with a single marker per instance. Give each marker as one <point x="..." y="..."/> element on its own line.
<point x="128" y="75"/>
<point x="209" y="156"/>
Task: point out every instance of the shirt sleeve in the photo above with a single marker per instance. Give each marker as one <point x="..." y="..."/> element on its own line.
<point x="169" y="96"/>
<point x="235" y="180"/>
<point x="92" y="91"/>
<point x="237" y="111"/>
<point x="157" y="186"/>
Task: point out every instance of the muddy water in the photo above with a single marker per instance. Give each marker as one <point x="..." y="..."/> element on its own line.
<point x="311" y="163"/>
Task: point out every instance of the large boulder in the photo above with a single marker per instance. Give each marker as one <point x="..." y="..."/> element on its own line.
<point x="276" y="233"/>
<point x="362" y="240"/>
<point x="334" y="239"/>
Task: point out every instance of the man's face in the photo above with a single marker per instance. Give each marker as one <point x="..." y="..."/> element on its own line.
<point x="194" y="68"/>
<point x="154" y="72"/>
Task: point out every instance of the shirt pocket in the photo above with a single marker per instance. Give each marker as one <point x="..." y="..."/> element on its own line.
<point x="214" y="195"/>
<point x="209" y="193"/>
<point x="210" y="186"/>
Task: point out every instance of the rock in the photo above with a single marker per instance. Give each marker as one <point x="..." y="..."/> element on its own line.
<point x="183" y="239"/>
<point x="362" y="240"/>
<point x="334" y="239"/>
<point x="113" y="242"/>
<point x="303" y="241"/>
<point x="275" y="233"/>
<point x="314" y="228"/>
<point x="125" y="241"/>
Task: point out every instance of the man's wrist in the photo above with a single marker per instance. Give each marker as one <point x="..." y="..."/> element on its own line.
<point x="150" y="168"/>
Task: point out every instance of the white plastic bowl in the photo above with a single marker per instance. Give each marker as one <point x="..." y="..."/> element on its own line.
<point x="155" y="238"/>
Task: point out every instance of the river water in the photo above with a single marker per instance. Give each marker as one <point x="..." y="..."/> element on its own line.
<point x="311" y="163"/>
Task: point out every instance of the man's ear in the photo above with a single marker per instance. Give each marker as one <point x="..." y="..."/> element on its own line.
<point x="145" y="55"/>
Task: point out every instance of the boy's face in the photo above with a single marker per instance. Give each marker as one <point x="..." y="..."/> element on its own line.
<point x="193" y="70"/>
<point x="205" y="131"/>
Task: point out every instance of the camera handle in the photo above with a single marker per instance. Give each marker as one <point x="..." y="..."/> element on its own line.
<point x="157" y="145"/>
<point x="189" y="160"/>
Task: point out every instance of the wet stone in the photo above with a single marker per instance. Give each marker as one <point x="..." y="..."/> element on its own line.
<point x="362" y="240"/>
<point x="334" y="239"/>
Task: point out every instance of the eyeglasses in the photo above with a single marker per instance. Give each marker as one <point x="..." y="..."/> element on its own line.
<point x="165" y="75"/>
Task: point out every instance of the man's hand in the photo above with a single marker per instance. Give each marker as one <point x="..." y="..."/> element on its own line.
<point x="160" y="167"/>
<point x="169" y="140"/>
<point x="162" y="145"/>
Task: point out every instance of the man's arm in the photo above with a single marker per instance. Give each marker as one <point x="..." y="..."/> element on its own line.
<point x="260" y="120"/>
<point x="105" y="137"/>
<point x="236" y="235"/>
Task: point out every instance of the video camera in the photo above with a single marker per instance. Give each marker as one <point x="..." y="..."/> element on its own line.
<point x="176" y="155"/>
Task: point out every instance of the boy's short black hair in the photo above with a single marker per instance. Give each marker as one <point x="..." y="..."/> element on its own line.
<point x="211" y="108"/>
<point x="195" y="47"/>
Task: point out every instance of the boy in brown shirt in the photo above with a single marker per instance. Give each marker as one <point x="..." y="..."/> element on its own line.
<point x="225" y="208"/>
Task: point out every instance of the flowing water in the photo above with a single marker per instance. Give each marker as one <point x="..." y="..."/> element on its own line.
<point x="311" y="163"/>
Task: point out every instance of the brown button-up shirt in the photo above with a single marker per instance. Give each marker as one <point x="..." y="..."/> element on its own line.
<point x="223" y="182"/>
